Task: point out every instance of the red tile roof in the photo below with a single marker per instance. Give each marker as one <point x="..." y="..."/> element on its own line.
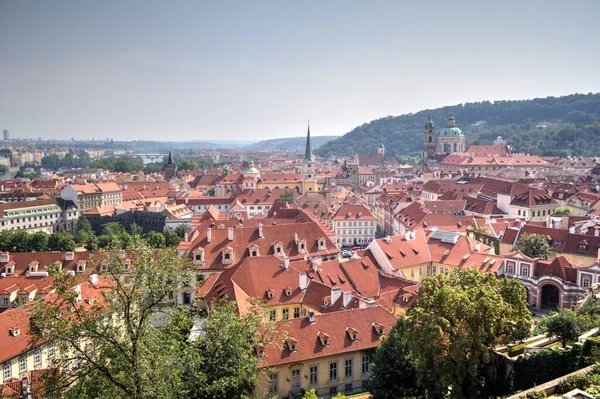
<point x="335" y="325"/>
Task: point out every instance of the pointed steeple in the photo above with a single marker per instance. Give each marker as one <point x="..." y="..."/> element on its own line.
<point x="429" y="124"/>
<point x="308" y="155"/>
<point x="170" y="160"/>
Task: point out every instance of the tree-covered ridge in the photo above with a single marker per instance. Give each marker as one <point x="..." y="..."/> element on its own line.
<point x="289" y="143"/>
<point x="574" y="127"/>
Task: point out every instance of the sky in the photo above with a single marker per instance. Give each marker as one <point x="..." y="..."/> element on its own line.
<point x="251" y="70"/>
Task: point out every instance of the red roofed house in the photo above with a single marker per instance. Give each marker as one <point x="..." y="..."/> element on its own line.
<point x="551" y="284"/>
<point x="327" y="353"/>
<point x="354" y="225"/>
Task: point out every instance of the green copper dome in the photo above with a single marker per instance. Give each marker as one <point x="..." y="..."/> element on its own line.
<point x="451" y="129"/>
<point x="251" y="168"/>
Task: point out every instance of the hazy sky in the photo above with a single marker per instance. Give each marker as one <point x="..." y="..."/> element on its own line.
<point x="246" y="70"/>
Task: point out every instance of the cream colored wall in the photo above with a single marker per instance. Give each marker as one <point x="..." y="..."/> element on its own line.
<point x="284" y="372"/>
<point x="14" y="363"/>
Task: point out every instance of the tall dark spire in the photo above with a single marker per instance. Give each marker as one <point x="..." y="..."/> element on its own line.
<point x="170" y="160"/>
<point x="308" y="155"/>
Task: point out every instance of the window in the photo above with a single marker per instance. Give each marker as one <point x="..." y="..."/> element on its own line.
<point x="519" y="212"/>
<point x="37" y="356"/>
<point x="333" y="371"/>
<point x="348" y="387"/>
<point x="296" y="313"/>
<point x="365" y="364"/>
<point x="51" y="351"/>
<point x="585" y="282"/>
<point x="273" y="315"/>
<point x="285" y="314"/>
<point x="5" y="301"/>
<point x="314" y="372"/>
<point x="7" y="373"/>
<point x="273" y="383"/>
<point x="348" y="368"/>
<point x="22" y="364"/>
<point x="332" y="391"/>
<point x="524" y="271"/>
<point x="511" y="268"/>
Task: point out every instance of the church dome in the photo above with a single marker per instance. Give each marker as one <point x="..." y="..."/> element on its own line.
<point x="251" y="169"/>
<point x="451" y="131"/>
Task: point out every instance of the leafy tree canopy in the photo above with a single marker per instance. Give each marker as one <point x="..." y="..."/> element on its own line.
<point x="457" y="322"/>
<point x="533" y="245"/>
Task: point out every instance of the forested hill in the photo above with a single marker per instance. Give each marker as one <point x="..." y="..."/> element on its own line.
<point x="289" y="143"/>
<point x="573" y="127"/>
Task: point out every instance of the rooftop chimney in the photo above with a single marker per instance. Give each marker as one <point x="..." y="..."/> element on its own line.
<point x="4" y="257"/>
<point x="208" y="235"/>
<point x="93" y="279"/>
<point x="69" y="256"/>
<point x="336" y="293"/>
<point x="316" y="262"/>
<point x="346" y="298"/>
<point x="303" y="283"/>
<point x="230" y="233"/>
<point x="286" y="263"/>
<point x="260" y="230"/>
<point x="186" y="236"/>
<point x="186" y="200"/>
<point x="311" y="316"/>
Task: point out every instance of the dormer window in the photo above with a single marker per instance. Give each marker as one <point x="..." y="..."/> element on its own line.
<point x="352" y="333"/>
<point x="9" y="269"/>
<point x="270" y="293"/>
<point x="33" y="266"/>
<point x="198" y="256"/>
<point x="253" y="250"/>
<point x="103" y="267"/>
<point x="321" y="243"/>
<point x="292" y="344"/>
<point x="227" y="257"/>
<point x="324" y="338"/>
<point x="81" y="266"/>
<point x="287" y="291"/>
<point x="582" y="246"/>
<point x="260" y="352"/>
<point x="379" y="328"/>
<point x="302" y="246"/>
<point x="278" y="248"/>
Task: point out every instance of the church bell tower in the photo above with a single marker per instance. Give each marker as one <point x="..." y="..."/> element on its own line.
<point x="429" y="141"/>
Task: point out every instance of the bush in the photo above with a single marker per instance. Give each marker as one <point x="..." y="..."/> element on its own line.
<point x="517" y="349"/>
<point x="533" y="395"/>
<point x="540" y="367"/>
<point x="581" y="381"/>
<point x="589" y="352"/>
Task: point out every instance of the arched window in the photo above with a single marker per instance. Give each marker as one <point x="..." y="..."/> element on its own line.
<point x="454" y="147"/>
<point x="430" y="139"/>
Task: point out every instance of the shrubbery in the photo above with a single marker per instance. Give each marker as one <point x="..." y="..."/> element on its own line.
<point x="581" y="381"/>
<point x="546" y="365"/>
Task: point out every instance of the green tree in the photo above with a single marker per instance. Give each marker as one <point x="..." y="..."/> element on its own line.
<point x="288" y="196"/>
<point x="222" y="362"/>
<point x="38" y="242"/>
<point x="187" y="165"/>
<point x="3" y="169"/>
<point x="109" y="241"/>
<point x="134" y="229"/>
<point x="20" y="241"/>
<point x="119" y="354"/>
<point x="181" y="230"/>
<point x="84" y="232"/>
<point x="171" y="238"/>
<point x="313" y="395"/>
<point x="394" y="374"/>
<point x="113" y="228"/>
<point x="565" y="325"/>
<point x="155" y="167"/>
<point x="562" y="212"/>
<point x="534" y="245"/>
<point x="61" y="242"/>
<point x="155" y="239"/>
<point x="6" y="241"/>
<point x="457" y="322"/>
